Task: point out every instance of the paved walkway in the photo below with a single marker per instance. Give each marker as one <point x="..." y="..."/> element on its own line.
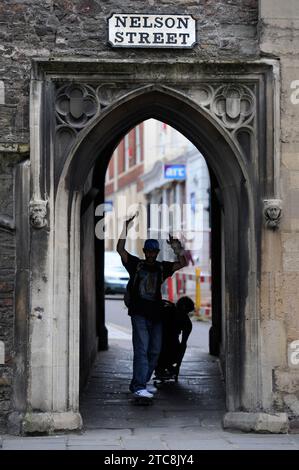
<point x="184" y="416"/>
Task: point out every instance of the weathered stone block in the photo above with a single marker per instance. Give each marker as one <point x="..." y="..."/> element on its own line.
<point x="2" y="90"/>
<point x="257" y="422"/>
<point x="46" y="423"/>
<point x="291" y="160"/>
<point x="287" y="300"/>
<point x="274" y="342"/>
<point x="291" y="211"/>
<point x="292" y="322"/>
<point x="2" y="353"/>
<point x="286" y="380"/>
<point x="292" y="402"/>
<point x="271" y="243"/>
<point x="294" y="426"/>
<point x="290" y="242"/>
<point x="277" y="36"/>
<point x="294" y="180"/>
<point x="277" y="9"/>
<point x="290" y="262"/>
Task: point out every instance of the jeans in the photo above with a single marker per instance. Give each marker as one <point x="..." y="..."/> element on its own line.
<point x="147" y="340"/>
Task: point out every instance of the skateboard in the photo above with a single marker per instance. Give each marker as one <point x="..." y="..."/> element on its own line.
<point x="162" y="379"/>
<point x="142" y="401"/>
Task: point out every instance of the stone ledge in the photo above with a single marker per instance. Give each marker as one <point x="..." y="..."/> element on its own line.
<point x="10" y="147"/>
<point x="44" y="423"/>
<point x="277" y="423"/>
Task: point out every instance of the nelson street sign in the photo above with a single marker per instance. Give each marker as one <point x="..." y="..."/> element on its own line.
<point x="154" y="31"/>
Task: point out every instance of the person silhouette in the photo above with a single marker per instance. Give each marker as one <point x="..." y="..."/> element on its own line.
<point x="146" y="278"/>
<point x="176" y="328"/>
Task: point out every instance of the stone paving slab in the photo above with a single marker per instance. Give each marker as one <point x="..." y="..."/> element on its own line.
<point x="95" y="447"/>
<point x="34" y="443"/>
<point x="151" y="443"/>
<point x="195" y="444"/>
<point x="159" y="438"/>
<point x="186" y="434"/>
<point x="98" y="434"/>
<point x="264" y="447"/>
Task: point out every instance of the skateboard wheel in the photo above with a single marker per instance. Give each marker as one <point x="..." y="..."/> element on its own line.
<point x="143" y="401"/>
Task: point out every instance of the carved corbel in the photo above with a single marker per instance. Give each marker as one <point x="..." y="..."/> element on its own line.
<point x="272" y="212"/>
<point x="38" y="213"/>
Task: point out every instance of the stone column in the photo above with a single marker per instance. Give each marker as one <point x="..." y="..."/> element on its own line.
<point x="53" y="368"/>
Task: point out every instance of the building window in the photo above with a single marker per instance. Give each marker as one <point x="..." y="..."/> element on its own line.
<point x="132" y="147"/>
<point x="130" y="152"/>
<point x="126" y="152"/>
<point x="121" y="157"/>
<point x="138" y="145"/>
<point x="110" y="172"/>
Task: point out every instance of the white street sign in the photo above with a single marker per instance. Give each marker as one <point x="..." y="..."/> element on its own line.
<point x="154" y="31"/>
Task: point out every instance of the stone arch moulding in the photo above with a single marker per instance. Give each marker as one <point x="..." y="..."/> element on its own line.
<point x="79" y="111"/>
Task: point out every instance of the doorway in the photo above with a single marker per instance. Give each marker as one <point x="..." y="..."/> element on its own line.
<point x="217" y="109"/>
<point x="232" y="190"/>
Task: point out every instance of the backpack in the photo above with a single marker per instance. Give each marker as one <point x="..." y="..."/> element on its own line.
<point x="131" y="284"/>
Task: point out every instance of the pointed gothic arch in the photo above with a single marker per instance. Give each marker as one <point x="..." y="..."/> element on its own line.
<point x="79" y="136"/>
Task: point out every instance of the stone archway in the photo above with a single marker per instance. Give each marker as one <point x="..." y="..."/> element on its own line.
<point x="79" y="113"/>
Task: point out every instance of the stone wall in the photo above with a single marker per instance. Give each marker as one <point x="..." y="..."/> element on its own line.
<point x="7" y="274"/>
<point x="227" y="30"/>
<point x="279" y="37"/>
<point x="60" y="28"/>
<point x="7" y="262"/>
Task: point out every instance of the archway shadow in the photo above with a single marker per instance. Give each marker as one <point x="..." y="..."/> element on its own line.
<point x="196" y="400"/>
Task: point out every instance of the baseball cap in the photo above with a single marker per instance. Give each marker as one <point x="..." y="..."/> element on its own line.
<point x="151" y="244"/>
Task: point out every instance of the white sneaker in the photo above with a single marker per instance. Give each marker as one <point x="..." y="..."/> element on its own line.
<point x="151" y="388"/>
<point x="143" y="394"/>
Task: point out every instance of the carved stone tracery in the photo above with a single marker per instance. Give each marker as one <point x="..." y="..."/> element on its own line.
<point x="233" y="104"/>
<point x="108" y="93"/>
<point x="75" y="105"/>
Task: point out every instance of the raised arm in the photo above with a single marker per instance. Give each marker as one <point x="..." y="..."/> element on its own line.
<point x="178" y="249"/>
<point x="120" y="247"/>
<point x="182" y="261"/>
